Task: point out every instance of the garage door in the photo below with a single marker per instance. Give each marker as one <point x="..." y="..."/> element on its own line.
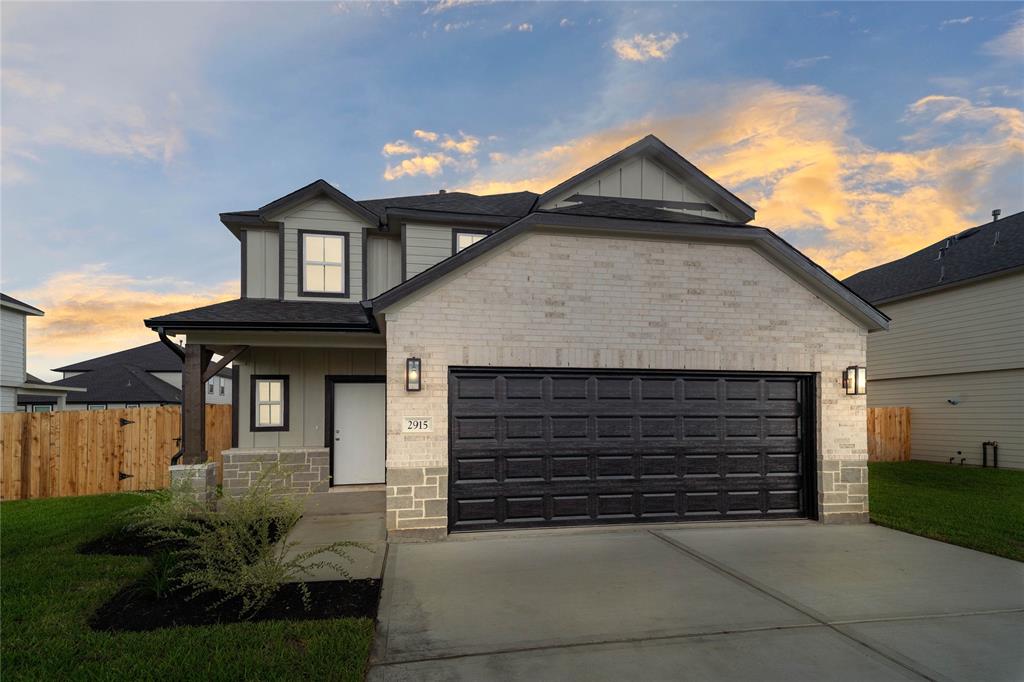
<point x="533" y="448"/>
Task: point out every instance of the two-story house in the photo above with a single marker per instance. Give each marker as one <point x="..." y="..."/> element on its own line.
<point x="622" y="348"/>
<point x="14" y="379"/>
<point x="144" y="376"/>
<point x="955" y="352"/>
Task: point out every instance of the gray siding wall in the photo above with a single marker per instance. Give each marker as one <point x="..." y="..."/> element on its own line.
<point x="644" y="179"/>
<point x="306" y="369"/>
<point x="972" y="328"/>
<point x="12" y="346"/>
<point x="322" y="215"/>
<point x="383" y="264"/>
<point x="425" y="246"/>
<point x="8" y="399"/>
<point x="262" y="263"/>
<point x="991" y="407"/>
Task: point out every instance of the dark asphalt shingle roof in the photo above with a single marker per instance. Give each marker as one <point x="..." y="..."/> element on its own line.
<point x="152" y="357"/>
<point x="516" y="204"/>
<point x="622" y="208"/>
<point x="116" y="384"/>
<point x="971" y="253"/>
<point x="13" y="301"/>
<point x="256" y="313"/>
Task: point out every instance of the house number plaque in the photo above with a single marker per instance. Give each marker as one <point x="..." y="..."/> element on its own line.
<point x="417" y="424"/>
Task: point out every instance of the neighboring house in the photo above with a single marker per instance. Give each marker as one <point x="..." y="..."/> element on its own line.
<point x="954" y="353"/>
<point x="145" y="376"/>
<point x="14" y="380"/>
<point x="621" y="348"/>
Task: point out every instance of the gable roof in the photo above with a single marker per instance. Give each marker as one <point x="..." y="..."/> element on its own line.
<point x="972" y="254"/>
<point x="317" y="188"/>
<point x="120" y="384"/>
<point x="767" y="242"/>
<point x="672" y="160"/>
<point x="152" y="357"/>
<point x="14" y="304"/>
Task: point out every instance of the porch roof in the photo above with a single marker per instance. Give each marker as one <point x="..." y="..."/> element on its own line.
<point x="269" y="314"/>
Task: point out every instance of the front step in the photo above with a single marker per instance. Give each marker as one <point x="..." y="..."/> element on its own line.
<point x="342" y="501"/>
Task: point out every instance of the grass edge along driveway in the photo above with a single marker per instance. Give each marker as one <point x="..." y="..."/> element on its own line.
<point x="48" y="592"/>
<point x="981" y="509"/>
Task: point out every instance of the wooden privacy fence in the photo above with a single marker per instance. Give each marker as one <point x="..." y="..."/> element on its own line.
<point x="58" y="454"/>
<point x="888" y="434"/>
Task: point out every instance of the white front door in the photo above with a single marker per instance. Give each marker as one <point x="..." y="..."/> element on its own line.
<point x="358" y="433"/>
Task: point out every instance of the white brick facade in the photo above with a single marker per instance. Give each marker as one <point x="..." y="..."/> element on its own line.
<point x="558" y="300"/>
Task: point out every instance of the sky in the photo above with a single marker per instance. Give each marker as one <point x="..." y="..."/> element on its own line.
<point x="859" y="132"/>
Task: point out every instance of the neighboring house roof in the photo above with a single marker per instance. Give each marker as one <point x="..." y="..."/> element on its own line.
<point x="983" y="251"/>
<point x="269" y="314"/>
<point x="672" y="160"/>
<point x="114" y="384"/>
<point x="13" y="303"/>
<point x="152" y="357"/>
<point x="770" y="244"/>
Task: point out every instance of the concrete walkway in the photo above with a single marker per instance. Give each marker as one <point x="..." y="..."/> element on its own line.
<point x="790" y="602"/>
<point x="316" y="531"/>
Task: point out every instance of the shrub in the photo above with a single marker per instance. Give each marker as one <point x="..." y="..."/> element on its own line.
<point x="161" y="577"/>
<point x="237" y="549"/>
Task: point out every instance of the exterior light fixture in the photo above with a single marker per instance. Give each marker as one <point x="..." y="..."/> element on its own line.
<point x="412" y="374"/>
<point x="855" y="380"/>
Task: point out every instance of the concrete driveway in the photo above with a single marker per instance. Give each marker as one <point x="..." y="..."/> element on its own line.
<point x="769" y="602"/>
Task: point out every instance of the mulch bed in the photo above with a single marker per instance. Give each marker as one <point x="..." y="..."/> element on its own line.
<point x="119" y="543"/>
<point x="135" y="610"/>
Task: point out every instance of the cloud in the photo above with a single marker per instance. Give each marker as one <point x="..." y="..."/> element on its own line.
<point x="432" y="162"/>
<point x="73" y="88"/>
<point x="1010" y="45"/>
<point x="953" y="22"/>
<point x="524" y="27"/>
<point x="445" y="5"/>
<point x="398" y="148"/>
<point x="806" y="61"/>
<point x="641" y="48"/>
<point x="92" y="311"/>
<point x="467" y="144"/>
<point x="565" y="23"/>
<point x="791" y="153"/>
<point x="457" y="26"/>
<point x="427" y="164"/>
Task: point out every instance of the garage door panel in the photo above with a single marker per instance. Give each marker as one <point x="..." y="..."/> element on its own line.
<point x="536" y="448"/>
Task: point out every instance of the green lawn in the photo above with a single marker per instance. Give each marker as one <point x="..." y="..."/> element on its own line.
<point x="978" y="508"/>
<point x="47" y="592"/>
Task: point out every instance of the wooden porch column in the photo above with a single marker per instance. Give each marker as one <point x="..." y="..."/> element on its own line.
<point x="193" y="405"/>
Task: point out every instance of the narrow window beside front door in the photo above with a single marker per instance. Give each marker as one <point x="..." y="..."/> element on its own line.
<point x="269" y="403"/>
<point x="323" y="267"/>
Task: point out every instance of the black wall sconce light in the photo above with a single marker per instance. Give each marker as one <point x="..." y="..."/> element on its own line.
<point x="413" y="381"/>
<point x="855" y="380"/>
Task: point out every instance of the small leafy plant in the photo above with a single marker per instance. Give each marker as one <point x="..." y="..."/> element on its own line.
<point x="162" y="576"/>
<point x="237" y="548"/>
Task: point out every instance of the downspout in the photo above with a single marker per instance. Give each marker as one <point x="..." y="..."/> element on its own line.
<point x="181" y="355"/>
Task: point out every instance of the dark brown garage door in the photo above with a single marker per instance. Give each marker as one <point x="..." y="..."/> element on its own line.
<point x="554" y="448"/>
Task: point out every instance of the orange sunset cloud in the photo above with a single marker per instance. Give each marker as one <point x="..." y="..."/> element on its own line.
<point x="791" y="154"/>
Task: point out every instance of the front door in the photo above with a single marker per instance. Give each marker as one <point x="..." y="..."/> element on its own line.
<point x="358" y="433"/>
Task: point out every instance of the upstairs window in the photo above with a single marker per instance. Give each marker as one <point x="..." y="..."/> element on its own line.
<point x="269" y="403"/>
<point x="462" y="239"/>
<point x="324" y="259"/>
